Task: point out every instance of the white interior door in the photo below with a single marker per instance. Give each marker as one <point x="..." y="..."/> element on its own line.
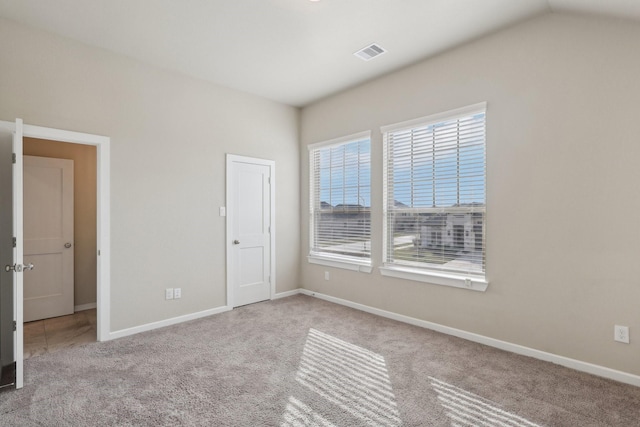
<point x="18" y="252"/>
<point x="250" y="225"/>
<point x="48" y="237"/>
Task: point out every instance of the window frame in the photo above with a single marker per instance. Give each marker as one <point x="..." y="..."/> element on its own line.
<point x="423" y="273"/>
<point x="353" y="263"/>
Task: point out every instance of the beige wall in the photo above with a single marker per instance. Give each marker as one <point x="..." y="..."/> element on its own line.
<point x="562" y="185"/>
<point x="84" y="210"/>
<point x="169" y="136"/>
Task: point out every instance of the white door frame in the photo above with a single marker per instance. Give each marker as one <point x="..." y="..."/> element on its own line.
<point x="103" y="220"/>
<point x="232" y="158"/>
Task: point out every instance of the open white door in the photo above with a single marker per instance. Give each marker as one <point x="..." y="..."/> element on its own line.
<point x="18" y="267"/>
<point x="7" y="300"/>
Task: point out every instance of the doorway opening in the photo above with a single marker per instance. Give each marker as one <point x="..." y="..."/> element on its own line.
<point x="11" y="224"/>
<point x="60" y="226"/>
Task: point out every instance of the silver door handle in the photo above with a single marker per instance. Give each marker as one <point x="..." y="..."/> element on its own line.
<point x="236" y="242"/>
<point x="18" y="268"/>
<point x="67" y="245"/>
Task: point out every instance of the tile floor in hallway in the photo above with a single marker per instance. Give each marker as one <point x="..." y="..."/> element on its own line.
<point x="48" y="335"/>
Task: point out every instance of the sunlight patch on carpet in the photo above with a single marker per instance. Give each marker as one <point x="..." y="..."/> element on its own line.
<point x="468" y="409"/>
<point x="297" y="414"/>
<point x="351" y="377"/>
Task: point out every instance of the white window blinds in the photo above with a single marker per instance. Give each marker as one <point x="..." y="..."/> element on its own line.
<point x="435" y="192"/>
<point x="340" y="197"/>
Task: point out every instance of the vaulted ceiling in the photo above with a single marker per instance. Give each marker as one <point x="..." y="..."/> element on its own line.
<point x="290" y="51"/>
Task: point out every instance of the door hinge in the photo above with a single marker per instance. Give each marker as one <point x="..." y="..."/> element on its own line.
<point x="13" y="157"/>
<point x="15" y="326"/>
<point x="15" y="242"/>
<point x="268" y="179"/>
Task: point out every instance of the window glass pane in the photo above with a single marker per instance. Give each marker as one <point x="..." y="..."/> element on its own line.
<point x="324" y="158"/>
<point x="341" y="200"/>
<point x="436" y="195"/>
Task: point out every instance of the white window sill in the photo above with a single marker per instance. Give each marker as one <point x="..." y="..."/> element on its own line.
<point x="363" y="267"/>
<point x="473" y="283"/>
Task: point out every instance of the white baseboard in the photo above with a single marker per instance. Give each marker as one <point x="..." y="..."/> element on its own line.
<point x="167" y="322"/>
<point x="83" y="307"/>
<point x="287" y="294"/>
<point x="175" y="320"/>
<point x="578" y="365"/>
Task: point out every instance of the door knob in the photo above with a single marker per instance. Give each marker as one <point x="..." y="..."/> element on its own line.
<point x="236" y="242"/>
<point x="67" y="245"/>
<point x="18" y="268"/>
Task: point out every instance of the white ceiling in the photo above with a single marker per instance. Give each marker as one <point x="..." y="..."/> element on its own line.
<point x="291" y="51"/>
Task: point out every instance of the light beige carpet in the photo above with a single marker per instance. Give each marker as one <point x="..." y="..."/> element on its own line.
<point x="300" y="361"/>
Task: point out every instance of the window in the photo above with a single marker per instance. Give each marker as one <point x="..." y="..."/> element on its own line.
<point x="434" y="181"/>
<point x="340" y="201"/>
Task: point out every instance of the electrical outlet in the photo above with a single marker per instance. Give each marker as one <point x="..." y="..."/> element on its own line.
<point x="177" y="293"/>
<point x="168" y="293"/>
<point x="326" y="275"/>
<point x="621" y="333"/>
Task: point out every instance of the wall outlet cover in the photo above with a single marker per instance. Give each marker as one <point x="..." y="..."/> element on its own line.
<point x="621" y="333"/>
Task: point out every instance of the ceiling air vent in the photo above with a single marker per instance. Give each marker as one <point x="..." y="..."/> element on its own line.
<point x="369" y="52"/>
